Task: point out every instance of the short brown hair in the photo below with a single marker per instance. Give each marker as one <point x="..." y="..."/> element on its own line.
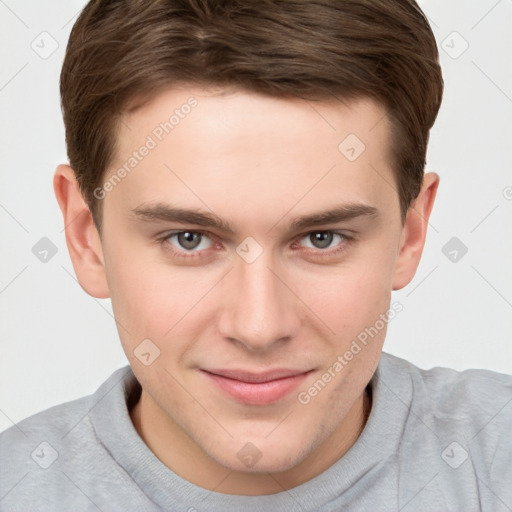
<point x="121" y="50"/>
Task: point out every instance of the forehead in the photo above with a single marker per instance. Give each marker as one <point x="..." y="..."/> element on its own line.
<point x="238" y="114"/>
<point x="213" y="148"/>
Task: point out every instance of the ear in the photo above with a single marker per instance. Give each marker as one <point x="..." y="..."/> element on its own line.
<point x="414" y="232"/>
<point x="82" y="237"/>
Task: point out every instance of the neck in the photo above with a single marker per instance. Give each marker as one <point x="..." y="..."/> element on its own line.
<point x="190" y="462"/>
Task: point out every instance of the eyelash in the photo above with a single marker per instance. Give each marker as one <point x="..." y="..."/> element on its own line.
<point x="347" y="240"/>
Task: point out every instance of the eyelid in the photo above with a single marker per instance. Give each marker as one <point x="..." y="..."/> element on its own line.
<point x="343" y="234"/>
<point x="165" y="237"/>
<point x="348" y="238"/>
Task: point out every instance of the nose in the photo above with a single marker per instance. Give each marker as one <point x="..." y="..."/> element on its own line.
<point x="258" y="310"/>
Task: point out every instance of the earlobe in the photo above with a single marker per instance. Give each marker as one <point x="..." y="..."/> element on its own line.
<point x="82" y="237"/>
<point x="414" y="232"/>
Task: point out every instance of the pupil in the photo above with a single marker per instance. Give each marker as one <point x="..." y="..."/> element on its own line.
<point x="321" y="239"/>
<point x="189" y="240"/>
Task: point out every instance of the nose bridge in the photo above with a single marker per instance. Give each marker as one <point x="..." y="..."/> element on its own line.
<point x="259" y="311"/>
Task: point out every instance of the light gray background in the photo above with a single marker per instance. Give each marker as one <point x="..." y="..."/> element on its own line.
<point x="58" y="343"/>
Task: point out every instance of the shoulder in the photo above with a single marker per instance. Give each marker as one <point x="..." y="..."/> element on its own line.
<point x="54" y="423"/>
<point x="44" y="451"/>
<point x="60" y="420"/>
<point x="447" y="393"/>
<point x="457" y="423"/>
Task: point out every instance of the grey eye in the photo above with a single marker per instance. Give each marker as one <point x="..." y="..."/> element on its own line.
<point x="188" y="239"/>
<point x="321" y="239"/>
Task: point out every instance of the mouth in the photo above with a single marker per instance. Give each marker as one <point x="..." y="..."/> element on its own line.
<point x="257" y="388"/>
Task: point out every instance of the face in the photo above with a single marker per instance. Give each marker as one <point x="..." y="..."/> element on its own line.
<point x="247" y="250"/>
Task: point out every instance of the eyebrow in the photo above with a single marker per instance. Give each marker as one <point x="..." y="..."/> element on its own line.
<point x="167" y="213"/>
<point x="332" y="216"/>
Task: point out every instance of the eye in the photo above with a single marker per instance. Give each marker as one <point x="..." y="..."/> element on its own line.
<point x="189" y="241"/>
<point x="323" y="239"/>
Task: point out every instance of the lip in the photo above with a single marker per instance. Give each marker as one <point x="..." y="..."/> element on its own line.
<point x="257" y="388"/>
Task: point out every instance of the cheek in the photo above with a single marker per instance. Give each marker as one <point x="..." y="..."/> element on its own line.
<point x="171" y="306"/>
<point x="150" y="299"/>
<point x="352" y="296"/>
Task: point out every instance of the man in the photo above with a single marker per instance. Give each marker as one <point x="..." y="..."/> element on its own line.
<point x="246" y="183"/>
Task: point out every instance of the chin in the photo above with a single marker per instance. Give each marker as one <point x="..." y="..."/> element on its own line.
<point x="263" y="466"/>
<point x="260" y="456"/>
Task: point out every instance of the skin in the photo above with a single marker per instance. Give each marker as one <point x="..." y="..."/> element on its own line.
<point x="258" y="163"/>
